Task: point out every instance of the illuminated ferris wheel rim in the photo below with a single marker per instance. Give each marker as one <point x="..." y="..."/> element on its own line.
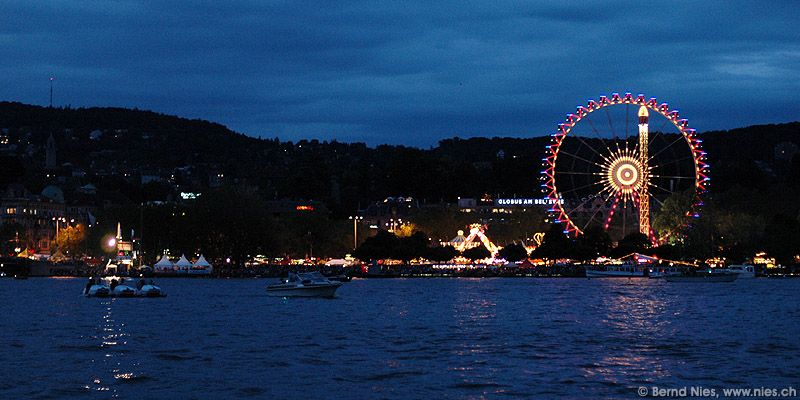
<point x="695" y="145"/>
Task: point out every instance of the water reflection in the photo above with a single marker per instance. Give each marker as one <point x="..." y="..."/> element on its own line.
<point x="114" y="365"/>
<point x="636" y="327"/>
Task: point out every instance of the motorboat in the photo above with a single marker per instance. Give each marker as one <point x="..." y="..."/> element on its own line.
<point x="744" y="271"/>
<point x="704" y="276"/>
<point x="625" y="270"/>
<point x="311" y="284"/>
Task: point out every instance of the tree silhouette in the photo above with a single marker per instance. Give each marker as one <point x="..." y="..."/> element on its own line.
<point x="476" y="253"/>
<point x="514" y="252"/>
<point x="632" y="243"/>
<point x="441" y="253"/>
<point x="555" y="244"/>
<point x="381" y="246"/>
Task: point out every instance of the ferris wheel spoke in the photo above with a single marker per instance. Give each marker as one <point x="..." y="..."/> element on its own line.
<point x="596" y="212"/>
<point x="658" y="132"/>
<point x="583" y="187"/>
<point x="659" y="187"/>
<point x="627" y="117"/>
<point x="579" y="158"/>
<point x="625" y="218"/>
<point x="663" y="124"/>
<point x="673" y="162"/>
<point x="665" y="148"/>
<point x="579" y="173"/>
<point x="590" y="147"/>
<point x="597" y="133"/>
<point x="581" y="204"/>
<point x="617" y="198"/>
<point x="672" y="177"/>
<point x="610" y="124"/>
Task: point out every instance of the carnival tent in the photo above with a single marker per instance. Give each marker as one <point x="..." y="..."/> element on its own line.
<point x="163" y="265"/>
<point x="201" y="263"/>
<point x="183" y="264"/>
<point x="201" y="266"/>
<point x="459" y="240"/>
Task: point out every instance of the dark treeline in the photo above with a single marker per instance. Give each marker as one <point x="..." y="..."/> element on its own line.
<point x="226" y="223"/>
<point x="343" y="175"/>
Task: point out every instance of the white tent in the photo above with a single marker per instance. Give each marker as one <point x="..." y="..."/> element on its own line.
<point x="201" y="266"/>
<point x="338" y="262"/>
<point x="183" y="264"/>
<point x="163" y="265"/>
<point x="201" y="262"/>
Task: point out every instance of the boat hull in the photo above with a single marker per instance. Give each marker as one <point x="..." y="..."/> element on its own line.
<point x="99" y="293"/>
<point x="150" y="291"/>
<point x="304" y="291"/>
<point x="613" y="274"/>
<point x="703" y="278"/>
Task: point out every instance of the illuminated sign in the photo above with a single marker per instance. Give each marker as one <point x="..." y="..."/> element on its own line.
<point x="304" y="208"/>
<point x="526" y="202"/>
<point x="189" y="195"/>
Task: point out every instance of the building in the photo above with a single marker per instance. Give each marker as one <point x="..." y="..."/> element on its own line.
<point x="37" y="217"/>
<point x="390" y="213"/>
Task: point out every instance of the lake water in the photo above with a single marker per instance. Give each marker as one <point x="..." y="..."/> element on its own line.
<point x="398" y="339"/>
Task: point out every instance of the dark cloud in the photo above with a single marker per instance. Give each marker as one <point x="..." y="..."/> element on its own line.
<point x="397" y="72"/>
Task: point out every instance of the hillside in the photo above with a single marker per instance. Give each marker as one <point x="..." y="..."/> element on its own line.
<point x="108" y="142"/>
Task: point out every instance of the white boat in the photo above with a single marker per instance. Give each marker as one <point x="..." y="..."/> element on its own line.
<point x="102" y="287"/>
<point x="122" y="288"/>
<point x="626" y="270"/>
<point x="97" y="288"/>
<point x="149" y="289"/>
<point x="312" y="284"/>
<point x="744" y="271"/>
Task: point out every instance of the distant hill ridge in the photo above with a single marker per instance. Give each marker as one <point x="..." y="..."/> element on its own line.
<point x="339" y="173"/>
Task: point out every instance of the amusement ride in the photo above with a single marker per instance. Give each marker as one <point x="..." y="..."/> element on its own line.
<point x="607" y="168"/>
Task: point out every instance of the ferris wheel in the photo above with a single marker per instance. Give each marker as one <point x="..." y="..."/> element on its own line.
<point x="621" y="161"/>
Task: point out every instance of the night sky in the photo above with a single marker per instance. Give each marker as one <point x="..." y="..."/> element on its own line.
<point x="400" y="73"/>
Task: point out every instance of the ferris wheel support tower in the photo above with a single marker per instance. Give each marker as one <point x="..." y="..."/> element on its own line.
<point x="644" y="195"/>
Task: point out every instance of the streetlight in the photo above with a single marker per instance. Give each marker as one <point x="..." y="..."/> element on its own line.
<point x="58" y="219"/>
<point x="355" y="229"/>
<point x="393" y="224"/>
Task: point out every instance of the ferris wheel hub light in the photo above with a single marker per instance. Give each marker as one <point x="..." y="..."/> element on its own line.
<point x="624" y="173"/>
